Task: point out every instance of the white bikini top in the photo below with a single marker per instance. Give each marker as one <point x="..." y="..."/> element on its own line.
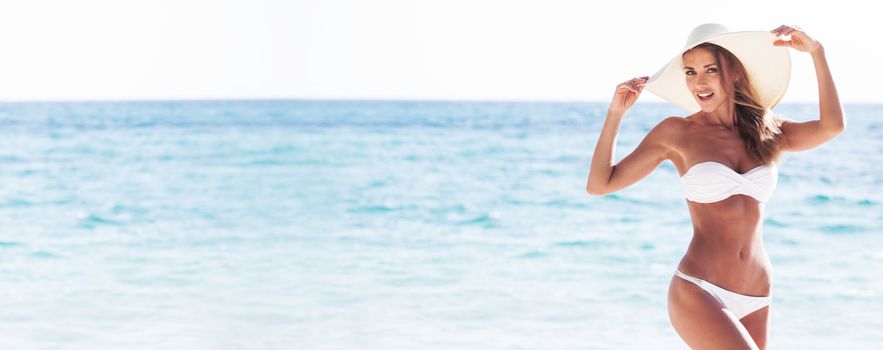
<point x="708" y="182"/>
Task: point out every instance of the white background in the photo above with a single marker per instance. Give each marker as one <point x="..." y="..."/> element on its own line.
<point x="394" y="49"/>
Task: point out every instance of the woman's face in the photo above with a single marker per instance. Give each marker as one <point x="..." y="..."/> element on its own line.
<point x="703" y="77"/>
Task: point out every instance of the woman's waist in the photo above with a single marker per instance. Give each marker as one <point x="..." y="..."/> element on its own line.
<point x="744" y="270"/>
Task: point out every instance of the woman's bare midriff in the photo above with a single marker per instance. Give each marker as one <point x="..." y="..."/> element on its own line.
<point x="727" y="246"/>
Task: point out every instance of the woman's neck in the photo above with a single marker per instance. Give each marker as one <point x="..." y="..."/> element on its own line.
<point x="723" y="116"/>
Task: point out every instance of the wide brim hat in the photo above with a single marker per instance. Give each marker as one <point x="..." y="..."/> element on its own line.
<point x="768" y="66"/>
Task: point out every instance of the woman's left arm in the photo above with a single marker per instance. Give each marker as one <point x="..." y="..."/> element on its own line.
<point x="801" y="136"/>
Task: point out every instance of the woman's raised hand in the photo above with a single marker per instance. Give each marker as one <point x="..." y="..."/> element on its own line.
<point x="799" y="40"/>
<point x="627" y="93"/>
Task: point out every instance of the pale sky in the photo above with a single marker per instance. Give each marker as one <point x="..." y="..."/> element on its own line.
<point x="395" y="49"/>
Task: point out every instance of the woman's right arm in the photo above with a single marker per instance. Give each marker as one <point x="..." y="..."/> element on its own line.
<point x="605" y="176"/>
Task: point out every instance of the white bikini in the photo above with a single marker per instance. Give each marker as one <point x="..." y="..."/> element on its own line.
<point x="709" y="182"/>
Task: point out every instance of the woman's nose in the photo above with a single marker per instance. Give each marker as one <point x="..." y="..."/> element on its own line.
<point x="701" y="80"/>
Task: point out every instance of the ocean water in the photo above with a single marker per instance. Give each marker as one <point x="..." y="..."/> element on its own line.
<point x="394" y="225"/>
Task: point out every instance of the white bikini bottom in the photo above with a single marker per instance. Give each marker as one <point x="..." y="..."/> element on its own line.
<point x="739" y="304"/>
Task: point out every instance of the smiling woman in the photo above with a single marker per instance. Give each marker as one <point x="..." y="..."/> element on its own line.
<point x="724" y="78"/>
<point x="725" y="150"/>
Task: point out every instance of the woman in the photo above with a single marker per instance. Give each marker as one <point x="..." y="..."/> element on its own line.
<point x="720" y="294"/>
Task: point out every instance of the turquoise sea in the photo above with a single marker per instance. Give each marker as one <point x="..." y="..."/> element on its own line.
<point x="394" y="225"/>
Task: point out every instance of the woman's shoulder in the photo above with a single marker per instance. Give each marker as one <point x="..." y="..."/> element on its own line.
<point x="668" y="131"/>
<point x="672" y="126"/>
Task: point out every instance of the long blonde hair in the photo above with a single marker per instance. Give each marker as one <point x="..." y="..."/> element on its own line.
<point x="758" y="127"/>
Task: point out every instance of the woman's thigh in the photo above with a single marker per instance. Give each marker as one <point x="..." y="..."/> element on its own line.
<point x="758" y="323"/>
<point x="702" y="321"/>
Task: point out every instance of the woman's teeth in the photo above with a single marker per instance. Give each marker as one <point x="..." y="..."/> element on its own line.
<point x="705" y="96"/>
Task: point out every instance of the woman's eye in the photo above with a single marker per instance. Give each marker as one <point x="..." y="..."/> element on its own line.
<point x="712" y="70"/>
<point x="689" y="72"/>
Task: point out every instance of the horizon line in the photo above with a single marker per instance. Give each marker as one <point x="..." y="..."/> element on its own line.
<point x="360" y="99"/>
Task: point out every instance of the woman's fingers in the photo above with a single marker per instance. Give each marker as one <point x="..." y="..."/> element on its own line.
<point x="634" y="85"/>
<point x="627" y="92"/>
<point x="640" y="82"/>
<point x="798" y="39"/>
<point x="787" y="30"/>
<point x="630" y="87"/>
<point x="782" y="43"/>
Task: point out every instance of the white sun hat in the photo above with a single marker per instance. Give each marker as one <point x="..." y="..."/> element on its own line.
<point x="768" y="66"/>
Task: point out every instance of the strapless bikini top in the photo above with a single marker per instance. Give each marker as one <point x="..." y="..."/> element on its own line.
<point x="708" y="182"/>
